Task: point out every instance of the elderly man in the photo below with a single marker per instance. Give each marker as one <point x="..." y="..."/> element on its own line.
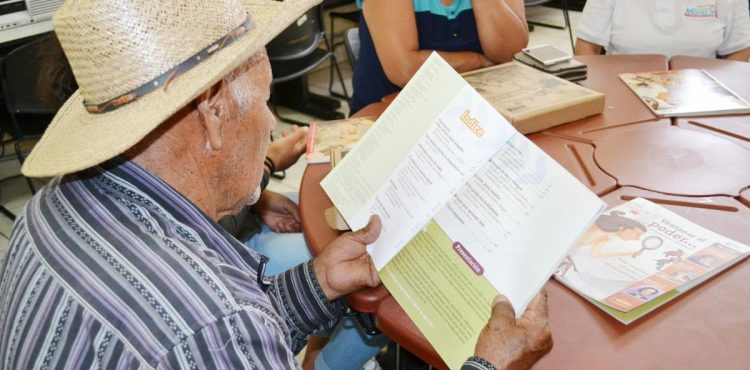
<point x="119" y="263"/>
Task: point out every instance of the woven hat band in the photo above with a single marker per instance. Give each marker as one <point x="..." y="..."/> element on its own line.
<point x="115" y="46"/>
<point x="164" y="79"/>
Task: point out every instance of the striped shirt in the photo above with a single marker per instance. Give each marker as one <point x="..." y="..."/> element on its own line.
<point x="112" y="268"/>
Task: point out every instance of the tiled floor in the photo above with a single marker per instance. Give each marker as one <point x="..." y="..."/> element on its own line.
<point x="14" y="192"/>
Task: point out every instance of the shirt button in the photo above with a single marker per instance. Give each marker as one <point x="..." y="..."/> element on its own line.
<point x="455" y="34"/>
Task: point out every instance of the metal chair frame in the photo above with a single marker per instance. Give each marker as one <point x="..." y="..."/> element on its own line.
<point x="10" y="83"/>
<point x="317" y="57"/>
<point x="352" y="16"/>
<point x="566" y="16"/>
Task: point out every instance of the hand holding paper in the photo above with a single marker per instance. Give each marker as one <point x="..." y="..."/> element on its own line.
<point x="344" y="265"/>
<point x="512" y="344"/>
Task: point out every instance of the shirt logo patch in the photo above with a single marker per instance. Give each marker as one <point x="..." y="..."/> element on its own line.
<point x="701" y="11"/>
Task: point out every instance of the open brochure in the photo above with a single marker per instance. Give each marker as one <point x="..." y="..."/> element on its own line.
<point x="639" y="255"/>
<point x="684" y="92"/>
<point x="469" y="207"/>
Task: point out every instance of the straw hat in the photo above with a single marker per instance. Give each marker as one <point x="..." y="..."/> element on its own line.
<point x="137" y="62"/>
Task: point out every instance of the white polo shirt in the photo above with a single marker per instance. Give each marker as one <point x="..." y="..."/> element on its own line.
<point x="704" y="28"/>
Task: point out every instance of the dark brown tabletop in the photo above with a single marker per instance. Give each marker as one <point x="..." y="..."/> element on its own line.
<point x="578" y="159"/>
<point x="700" y="175"/>
<point x="672" y="160"/>
<point x="621" y="107"/>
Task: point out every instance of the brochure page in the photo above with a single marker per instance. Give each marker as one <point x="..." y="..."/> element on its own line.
<point x="447" y="301"/>
<point x="502" y="232"/>
<point x="518" y="217"/>
<point x="371" y="162"/>
<point x="462" y="138"/>
<point x="684" y="92"/>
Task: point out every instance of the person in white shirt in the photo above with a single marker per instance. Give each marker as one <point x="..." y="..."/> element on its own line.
<point x="703" y="28"/>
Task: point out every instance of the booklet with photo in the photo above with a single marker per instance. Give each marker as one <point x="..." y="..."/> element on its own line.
<point x="469" y="207"/>
<point x="323" y="136"/>
<point x="639" y="255"/>
<point x="684" y="92"/>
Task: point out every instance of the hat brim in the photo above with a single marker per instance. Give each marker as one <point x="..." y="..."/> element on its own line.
<point x="77" y="139"/>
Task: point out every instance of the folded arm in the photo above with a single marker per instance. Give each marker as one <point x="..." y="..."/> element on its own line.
<point x="502" y="28"/>
<point x="394" y="33"/>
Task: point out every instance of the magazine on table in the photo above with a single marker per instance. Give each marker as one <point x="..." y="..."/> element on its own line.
<point x="639" y="256"/>
<point x="684" y="92"/>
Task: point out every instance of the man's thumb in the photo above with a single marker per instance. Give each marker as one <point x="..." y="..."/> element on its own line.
<point x="369" y="233"/>
<point x="502" y="311"/>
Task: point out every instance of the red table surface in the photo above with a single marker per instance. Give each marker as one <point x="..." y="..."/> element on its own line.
<point x="578" y="159"/>
<point x="621" y="107"/>
<point x="745" y="197"/>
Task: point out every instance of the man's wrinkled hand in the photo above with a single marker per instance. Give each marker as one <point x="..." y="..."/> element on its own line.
<point x="286" y="150"/>
<point x="344" y="265"/>
<point x="514" y="344"/>
<point x="278" y="212"/>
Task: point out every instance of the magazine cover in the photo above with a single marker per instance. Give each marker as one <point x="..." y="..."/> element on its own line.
<point x="638" y="252"/>
<point x="322" y="136"/>
<point x="684" y="92"/>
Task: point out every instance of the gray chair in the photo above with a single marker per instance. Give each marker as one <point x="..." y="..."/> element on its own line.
<point x="564" y="6"/>
<point x="29" y="113"/>
<point x="351" y="41"/>
<point x="350" y="16"/>
<point x="293" y="54"/>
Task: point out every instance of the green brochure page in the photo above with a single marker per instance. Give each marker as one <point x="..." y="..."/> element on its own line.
<point x="447" y="300"/>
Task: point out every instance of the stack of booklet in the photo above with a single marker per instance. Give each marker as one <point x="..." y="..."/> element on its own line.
<point x="571" y="70"/>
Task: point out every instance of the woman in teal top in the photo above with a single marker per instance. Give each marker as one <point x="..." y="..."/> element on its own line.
<point x="397" y="36"/>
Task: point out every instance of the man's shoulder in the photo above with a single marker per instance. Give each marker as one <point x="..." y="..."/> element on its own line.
<point x="146" y="270"/>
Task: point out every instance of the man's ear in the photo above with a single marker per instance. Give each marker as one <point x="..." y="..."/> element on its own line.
<point x="212" y="111"/>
